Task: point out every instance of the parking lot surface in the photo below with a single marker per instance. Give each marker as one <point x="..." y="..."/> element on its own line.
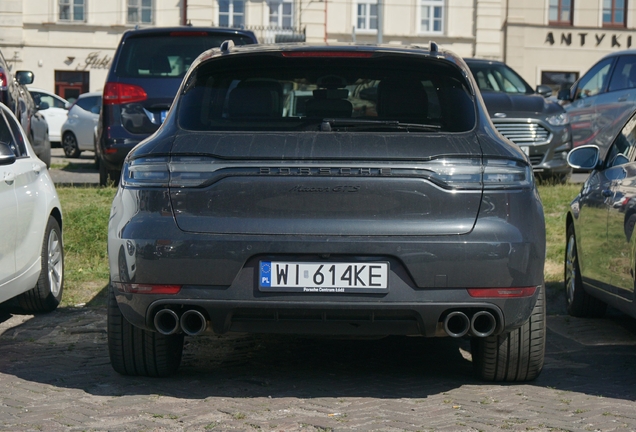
<point x="55" y="375"/>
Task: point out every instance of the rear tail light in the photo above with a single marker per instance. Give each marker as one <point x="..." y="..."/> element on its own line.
<point x="449" y="173"/>
<point x="119" y="93"/>
<point x="502" y="292"/>
<point x="147" y="288"/>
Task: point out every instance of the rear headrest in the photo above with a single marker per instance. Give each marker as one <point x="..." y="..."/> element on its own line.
<point x="160" y="64"/>
<point x="402" y="98"/>
<point x="253" y="102"/>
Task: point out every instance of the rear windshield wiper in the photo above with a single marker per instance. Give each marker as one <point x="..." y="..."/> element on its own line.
<point x="328" y="124"/>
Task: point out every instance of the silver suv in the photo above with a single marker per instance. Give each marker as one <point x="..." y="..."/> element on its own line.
<point x="537" y="125"/>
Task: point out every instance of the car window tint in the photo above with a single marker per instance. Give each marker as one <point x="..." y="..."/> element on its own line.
<point x="87" y="103"/>
<point x="623" y="149"/>
<point x="11" y="135"/>
<point x="624" y="75"/>
<point x="39" y="97"/>
<point x="595" y="80"/>
<point x="167" y="56"/>
<point x="297" y="94"/>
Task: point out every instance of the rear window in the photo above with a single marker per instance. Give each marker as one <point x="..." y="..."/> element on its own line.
<point x="270" y="92"/>
<point x="167" y="55"/>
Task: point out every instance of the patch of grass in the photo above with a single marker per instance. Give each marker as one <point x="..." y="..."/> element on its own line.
<point x="85" y="212"/>
<point x="556" y="201"/>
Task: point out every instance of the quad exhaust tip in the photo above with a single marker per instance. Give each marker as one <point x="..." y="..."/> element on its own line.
<point x="481" y="324"/>
<point x="166" y="321"/>
<point x="456" y="324"/>
<point x="193" y="322"/>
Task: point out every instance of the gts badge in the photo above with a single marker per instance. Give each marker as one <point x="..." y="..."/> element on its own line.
<point x="334" y="189"/>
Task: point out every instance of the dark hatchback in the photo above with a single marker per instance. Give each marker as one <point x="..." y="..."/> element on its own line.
<point x="143" y="79"/>
<point x="540" y="127"/>
<point x="340" y="190"/>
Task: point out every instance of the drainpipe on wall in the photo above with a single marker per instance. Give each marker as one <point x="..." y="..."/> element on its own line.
<point x="474" y="28"/>
<point x="184" y="12"/>
<point x="505" y="33"/>
<point x="325" y="21"/>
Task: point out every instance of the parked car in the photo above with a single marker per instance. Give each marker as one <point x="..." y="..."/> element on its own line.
<point x="144" y="76"/>
<point x="600" y="260"/>
<point x="78" y="131"/>
<point x="53" y="108"/>
<point x="597" y="100"/>
<point x="14" y="94"/>
<point x="31" y="250"/>
<point x="538" y="126"/>
<point x="384" y="204"/>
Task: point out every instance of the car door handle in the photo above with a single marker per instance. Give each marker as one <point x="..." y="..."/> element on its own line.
<point x="9" y="178"/>
<point x="623" y="98"/>
<point x="607" y="193"/>
<point x="37" y="169"/>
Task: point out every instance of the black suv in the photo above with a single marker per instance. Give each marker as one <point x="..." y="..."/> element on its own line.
<point x="540" y="127"/>
<point x="15" y="95"/>
<point x="144" y="76"/>
<point x="333" y="190"/>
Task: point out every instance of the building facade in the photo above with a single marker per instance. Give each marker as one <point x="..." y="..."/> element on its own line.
<point x="69" y="44"/>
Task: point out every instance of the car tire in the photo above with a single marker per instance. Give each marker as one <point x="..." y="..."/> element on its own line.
<point x="579" y="302"/>
<point x="47" y="293"/>
<point x="137" y="352"/>
<point x="70" y="146"/>
<point x="516" y="356"/>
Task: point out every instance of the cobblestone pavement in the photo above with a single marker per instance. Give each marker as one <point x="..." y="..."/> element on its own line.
<point x="55" y="375"/>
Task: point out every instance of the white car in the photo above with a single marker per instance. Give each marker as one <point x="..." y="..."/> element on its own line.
<point x="78" y="132"/>
<point x="53" y="108"/>
<point x="31" y="249"/>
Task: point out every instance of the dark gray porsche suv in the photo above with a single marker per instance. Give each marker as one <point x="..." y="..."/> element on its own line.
<point x="327" y="190"/>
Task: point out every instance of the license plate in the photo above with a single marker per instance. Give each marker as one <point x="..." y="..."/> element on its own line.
<point x="314" y="277"/>
<point x="526" y="150"/>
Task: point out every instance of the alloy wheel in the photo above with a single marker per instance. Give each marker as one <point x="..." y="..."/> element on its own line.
<point x="55" y="263"/>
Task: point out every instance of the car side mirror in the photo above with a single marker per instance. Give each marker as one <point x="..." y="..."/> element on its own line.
<point x="7" y="157"/>
<point x="24" y="77"/>
<point x="544" y="90"/>
<point x="584" y="158"/>
<point x="564" y="95"/>
<point x="42" y="106"/>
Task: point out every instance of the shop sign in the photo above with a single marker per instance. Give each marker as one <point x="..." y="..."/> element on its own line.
<point x="94" y="60"/>
<point x="589" y="39"/>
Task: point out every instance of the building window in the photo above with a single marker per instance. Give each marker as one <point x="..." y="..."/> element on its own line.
<point x="614" y="13"/>
<point x="72" y="10"/>
<point x="560" y="12"/>
<point x="140" y="11"/>
<point x="231" y="13"/>
<point x="367" y="16"/>
<point x="431" y="16"/>
<point x="281" y="13"/>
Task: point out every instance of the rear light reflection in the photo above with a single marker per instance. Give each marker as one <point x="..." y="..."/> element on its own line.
<point x="118" y="93"/>
<point x="147" y="288"/>
<point x="502" y="292"/>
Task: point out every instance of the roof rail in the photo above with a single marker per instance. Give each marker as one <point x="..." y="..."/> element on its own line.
<point x="433" y="47"/>
<point x="227" y="45"/>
